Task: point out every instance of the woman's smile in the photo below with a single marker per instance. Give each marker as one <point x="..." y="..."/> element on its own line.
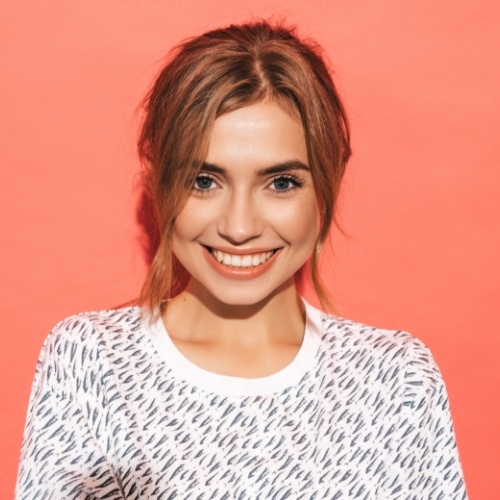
<point x="241" y="267"/>
<point x="244" y="260"/>
<point x="251" y="221"/>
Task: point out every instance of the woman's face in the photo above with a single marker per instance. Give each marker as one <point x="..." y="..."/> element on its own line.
<point x="252" y="218"/>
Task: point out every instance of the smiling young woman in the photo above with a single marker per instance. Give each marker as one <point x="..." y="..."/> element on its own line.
<point x="250" y="224"/>
<point x="230" y="385"/>
<point x="259" y="201"/>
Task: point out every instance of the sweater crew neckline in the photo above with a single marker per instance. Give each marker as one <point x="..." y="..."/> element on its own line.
<point x="227" y="385"/>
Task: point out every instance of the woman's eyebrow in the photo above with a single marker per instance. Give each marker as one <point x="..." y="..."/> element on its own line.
<point x="279" y="168"/>
<point x="284" y="167"/>
<point x="213" y="169"/>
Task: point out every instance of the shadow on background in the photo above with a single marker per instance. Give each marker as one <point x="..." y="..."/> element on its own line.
<point x="149" y="239"/>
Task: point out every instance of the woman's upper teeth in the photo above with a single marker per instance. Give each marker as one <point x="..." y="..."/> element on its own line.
<point x="251" y="260"/>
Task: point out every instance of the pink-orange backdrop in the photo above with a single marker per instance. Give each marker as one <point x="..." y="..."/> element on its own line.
<point x="421" y="200"/>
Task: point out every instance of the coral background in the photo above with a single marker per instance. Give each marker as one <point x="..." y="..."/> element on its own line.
<point x="420" y="203"/>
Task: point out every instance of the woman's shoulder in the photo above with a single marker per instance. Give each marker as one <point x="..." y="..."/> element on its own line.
<point x="98" y="323"/>
<point x="89" y="344"/>
<point x="382" y="359"/>
<point x="85" y="333"/>
<point x="343" y="332"/>
<point x="360" y="334"/>
<point x="359" y="344"/>
<point x="109" y="330"/>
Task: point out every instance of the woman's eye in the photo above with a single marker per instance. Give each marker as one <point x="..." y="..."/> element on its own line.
<point x="203" y="183"/>
<point x="285" y="183"/>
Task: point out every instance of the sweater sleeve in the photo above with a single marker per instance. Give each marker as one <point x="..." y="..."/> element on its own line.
<point x="429" y="441"/>
<point x="60" y="456"/>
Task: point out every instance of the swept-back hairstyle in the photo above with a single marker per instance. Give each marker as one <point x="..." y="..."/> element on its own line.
<point x="218" y="72"/>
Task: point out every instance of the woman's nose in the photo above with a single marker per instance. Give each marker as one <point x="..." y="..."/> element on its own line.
<point x="240" y="221"/>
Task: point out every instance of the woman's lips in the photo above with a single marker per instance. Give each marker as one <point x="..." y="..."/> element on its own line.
<point x="240" y="266"/>
<point x="246" y="260"/>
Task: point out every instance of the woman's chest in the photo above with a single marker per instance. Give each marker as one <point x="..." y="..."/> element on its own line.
<point x="175" y="442"/>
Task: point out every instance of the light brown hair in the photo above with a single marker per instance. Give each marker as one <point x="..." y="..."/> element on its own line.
<point x="218" y="72"/>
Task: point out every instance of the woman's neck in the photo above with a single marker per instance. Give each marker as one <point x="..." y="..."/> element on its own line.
<point x="251" y="340"/>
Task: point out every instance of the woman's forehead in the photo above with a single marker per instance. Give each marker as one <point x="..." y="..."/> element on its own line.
<point x="262" y="133"/>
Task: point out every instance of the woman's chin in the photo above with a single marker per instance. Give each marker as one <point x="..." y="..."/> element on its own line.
<point x="239" y="297"/>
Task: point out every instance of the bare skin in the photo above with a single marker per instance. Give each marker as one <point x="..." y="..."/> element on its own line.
<point x="249" y="342"/>
<point x="253" y="199"/>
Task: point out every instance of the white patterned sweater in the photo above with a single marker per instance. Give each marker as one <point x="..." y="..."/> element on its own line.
<point x="116" y="411"/>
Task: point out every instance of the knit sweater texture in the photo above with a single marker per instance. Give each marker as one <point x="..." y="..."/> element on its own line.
<point x="117" y="412"/>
